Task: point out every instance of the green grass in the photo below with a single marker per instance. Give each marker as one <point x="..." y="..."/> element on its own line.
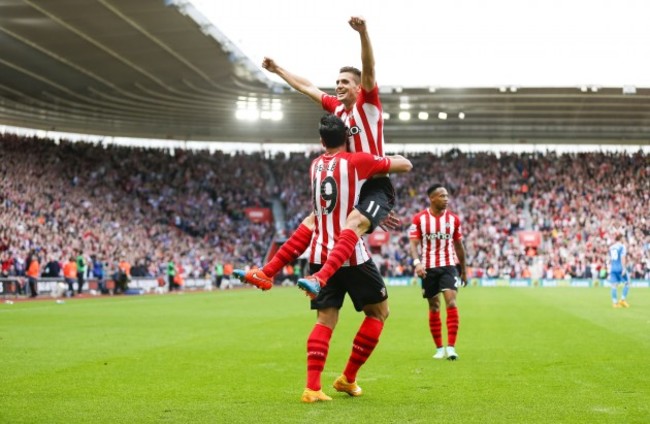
<point x="530" y="355"/>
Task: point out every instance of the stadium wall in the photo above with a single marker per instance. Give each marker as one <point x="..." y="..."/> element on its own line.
<point x="522" y="282"/>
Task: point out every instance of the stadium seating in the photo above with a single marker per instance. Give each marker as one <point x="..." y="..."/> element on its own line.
<point x="148" y="205"/>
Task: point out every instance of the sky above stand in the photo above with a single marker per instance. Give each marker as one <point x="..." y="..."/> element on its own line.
<point x="460" y="43"/>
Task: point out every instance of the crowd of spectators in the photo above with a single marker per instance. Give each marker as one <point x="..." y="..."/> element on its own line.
<point x="293" y="188"/>
<point x="145" y="205"/>
<point x="578" y="202"/>
<point x="150" y="206"/>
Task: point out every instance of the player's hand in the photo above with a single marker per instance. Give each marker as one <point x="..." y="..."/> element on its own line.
<point x="357" y="23"/>
<point x="463" y="279"/>
<point x="391" y="222"/>
<point x="270" y="65"/>
<point x="420" y="271"/>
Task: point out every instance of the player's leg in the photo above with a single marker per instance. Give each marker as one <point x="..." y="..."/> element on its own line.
<point x="367" y="290"/>
<point x="317" y="349"/>
<point x="288" y="252"/>
<point x="431" y="292"/>
<point x="363" y="345"/>
<point x="435" y="326"/>
<point x="614" y="295"/>
<point x="614" y="280"/>
<point x="449" y="283"/>
<point x="328" y="303"/>
<point x="452" y="323"/>
<point x="625" y="291"/>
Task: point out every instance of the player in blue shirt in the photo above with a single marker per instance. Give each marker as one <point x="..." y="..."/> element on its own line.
<point x="617" y="273"/>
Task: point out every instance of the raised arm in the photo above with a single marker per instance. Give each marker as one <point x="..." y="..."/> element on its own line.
<point x="367" y="55"/>
<point x="301" y="84"/>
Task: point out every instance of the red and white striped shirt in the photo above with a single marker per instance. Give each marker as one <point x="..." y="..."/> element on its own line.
<point x="336" y="182"/>
<point x="437" y="235"/>
<point x="365" y="121"/>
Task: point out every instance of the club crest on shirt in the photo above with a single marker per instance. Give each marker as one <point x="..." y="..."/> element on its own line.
<point x="354" y="130"/>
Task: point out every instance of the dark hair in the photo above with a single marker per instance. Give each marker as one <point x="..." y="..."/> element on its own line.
<point x="352" y="70"/>
<point x="332" y="130"/>
<point x="433" y="188"/>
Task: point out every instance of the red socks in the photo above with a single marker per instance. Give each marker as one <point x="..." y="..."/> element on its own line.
<point x="342" y="251"/>
<point x="290" y="251"/>
<point x="364" y="343"/>
<point x="318" y="345"/>
<point x="452" y="325"/>
<point x="435" y="326"/>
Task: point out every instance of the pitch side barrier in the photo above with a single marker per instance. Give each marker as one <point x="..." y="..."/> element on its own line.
<point x="523" y="282"/>
<point x="150" y="284"/>
<point x="14" y="286"/>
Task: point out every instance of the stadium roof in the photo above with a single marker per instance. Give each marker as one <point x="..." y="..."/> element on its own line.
<point x="159" y="69"/>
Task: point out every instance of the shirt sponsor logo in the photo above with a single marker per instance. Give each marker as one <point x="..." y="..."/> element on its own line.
<point x="437" y="236"/>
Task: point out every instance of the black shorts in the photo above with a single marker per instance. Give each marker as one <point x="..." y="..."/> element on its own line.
<point x="376" y="200"/>
<point x="440" y="279"/>
<point x="363" y="283"/>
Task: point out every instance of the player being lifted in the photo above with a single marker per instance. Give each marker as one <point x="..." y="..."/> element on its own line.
<point x="357" y="103"/>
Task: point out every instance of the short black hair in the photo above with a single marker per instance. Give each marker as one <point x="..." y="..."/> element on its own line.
<point x="332" y="130"/>
<point x="352" y="70"/>
<point x="433" y="188"/>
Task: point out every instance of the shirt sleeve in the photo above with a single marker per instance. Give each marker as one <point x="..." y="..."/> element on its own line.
<point x="371" y="97"/>
<point x="414" y="229"/>
<point x="368" y="165"/>
<point x="458" y="233"/>
<point x="329" y="102"/>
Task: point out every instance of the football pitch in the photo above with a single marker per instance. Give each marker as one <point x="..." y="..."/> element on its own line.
<point x="527" y="355"/>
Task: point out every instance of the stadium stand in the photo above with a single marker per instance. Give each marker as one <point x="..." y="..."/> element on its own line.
<point x="576" y="201"/>
<point x="142" y="204"/>
<point x="147" y="205"/>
